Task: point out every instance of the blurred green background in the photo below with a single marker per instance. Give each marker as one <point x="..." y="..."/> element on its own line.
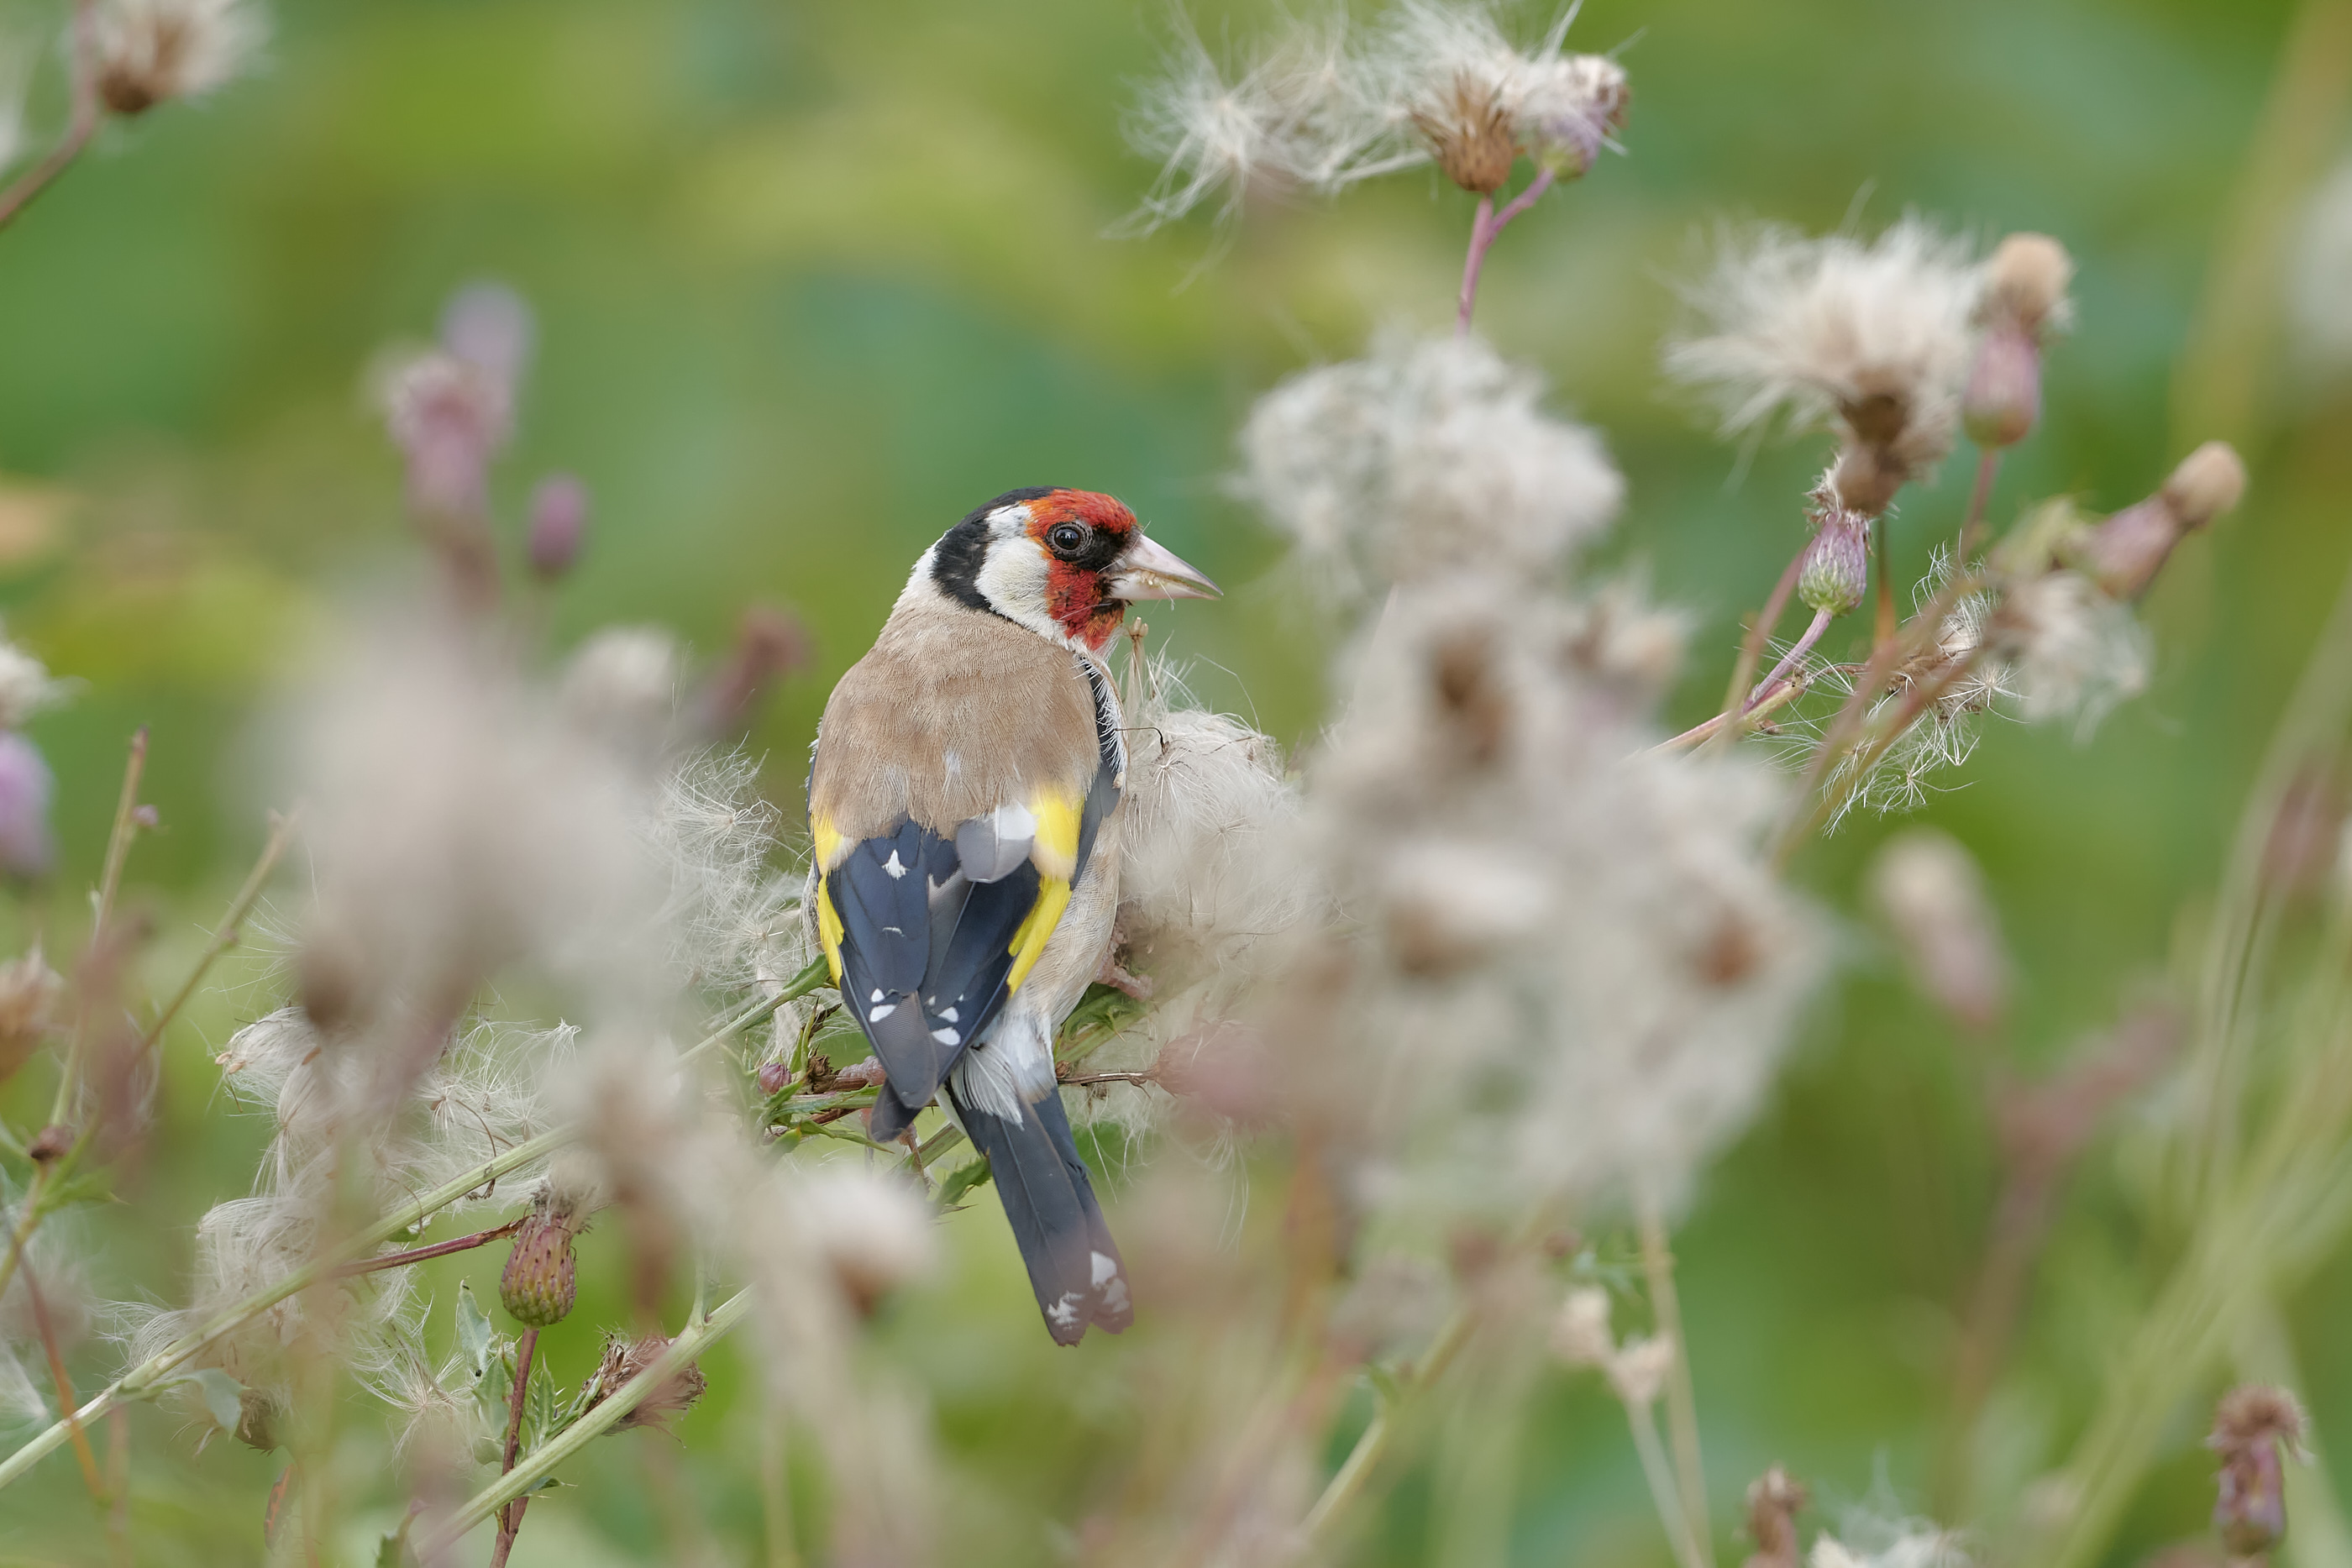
<point x="812" y="280"/>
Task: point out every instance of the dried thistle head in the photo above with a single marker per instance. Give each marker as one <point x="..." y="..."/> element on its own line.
<point x="152" y="51"/>
<point x="29" y="994"/>
<point x="2124" y="554"/>
<point x="625" y="1360"/>
<point x="1469" y="130"/>
<point x="2251" y="1427"/>
<point x="1774" y="1501"/>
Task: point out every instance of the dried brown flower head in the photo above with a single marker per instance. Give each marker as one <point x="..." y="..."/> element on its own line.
<point x="1470" y="131"/>
<point x="2251" y="1425"/>
<point x="29" y="993"/>
<point x="1774" y="1501"/>
<point x="625" y="1359"/>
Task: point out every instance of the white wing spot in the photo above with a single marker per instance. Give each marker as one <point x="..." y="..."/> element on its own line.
<point x="1106" y="1269"/>
<point x="1065" y="1312"/>
<point x="948" y="1014"/>
<point x="876" y="996"/>
<point x="893" y="866"/>
<point x="944" y="1036"/>
<point x="876" y="1015"/>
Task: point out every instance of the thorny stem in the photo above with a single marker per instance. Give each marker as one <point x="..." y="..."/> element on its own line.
<point x="1484" y="229"/>
<point x="1751" y="646"/>
<point x="1682" y="1401"/>
<point x="691" y="1341"/>
<point x="510" y="1516"/>
<point x="46" y="1328"/>
<point x="150" y="1373"/>
<point x="79" y="129"/>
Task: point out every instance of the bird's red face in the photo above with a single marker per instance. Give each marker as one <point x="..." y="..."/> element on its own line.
<point x="1065" y="563"/>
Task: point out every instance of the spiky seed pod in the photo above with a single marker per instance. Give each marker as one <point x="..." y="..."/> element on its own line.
<point x="2251" y="1425"/>
<point x="1836" y="568"/>
<point x="539" y="1284"/>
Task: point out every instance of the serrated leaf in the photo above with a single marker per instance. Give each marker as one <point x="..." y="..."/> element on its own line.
<point x="475" y="1336"/>
<point x="961" y="1180"/>
<point x="224" y="1396"/>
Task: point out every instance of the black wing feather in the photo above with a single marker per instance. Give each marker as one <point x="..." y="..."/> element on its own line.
<point x="917" y="945"/>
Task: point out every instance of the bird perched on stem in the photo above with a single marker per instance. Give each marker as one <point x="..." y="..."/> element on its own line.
<point x="963" y="797"/>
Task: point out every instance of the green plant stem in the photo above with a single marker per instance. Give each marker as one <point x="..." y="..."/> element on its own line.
<point x="1348" y="1482"/>
<point x="1732" y="720"/>
<point x="1659" y="1473"/>
<point x="150" y="1373"/>
<point x="87" y="113"/>
<point x="225" y="936"/>
<point x="118" y="850"/>
<point x="690" y="1343"/>
<point x="510" y="1515"/>
<point x="1682" y="1399"/>
<point x="1972" y="527"/>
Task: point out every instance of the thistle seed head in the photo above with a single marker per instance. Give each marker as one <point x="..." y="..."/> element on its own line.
<point x="538" y="1283"/>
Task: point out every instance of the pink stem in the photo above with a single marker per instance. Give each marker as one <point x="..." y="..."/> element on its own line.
<point x="1484" y="229"/>
<point x="1797" y="651"/>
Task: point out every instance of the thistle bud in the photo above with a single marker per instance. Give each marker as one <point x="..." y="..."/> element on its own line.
<point x="2003" y="401"/>
<point x="2251" y="1425"/>
<point x="623" y="1360"/>
<point x="2025" y="282"/>
<point x="559" y="526"/>
<point x="538" y="1285"/>
<point x="2210" y="481"/>
<point x="1835" y="571"/>
<point x="2124" y="554"/>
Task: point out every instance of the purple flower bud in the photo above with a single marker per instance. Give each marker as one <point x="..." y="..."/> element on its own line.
<point x="559" y="526"/>
<point x="26" y="786"/>
<point x="2251" y="1425"/>
<point x="1836" y="568"/>
<point x="2003" y="401"/>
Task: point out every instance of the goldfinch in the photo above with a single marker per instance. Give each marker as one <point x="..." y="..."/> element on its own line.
<point x="963" y="799"/>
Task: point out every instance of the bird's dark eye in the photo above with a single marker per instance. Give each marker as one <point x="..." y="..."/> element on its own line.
<point x="1064" y="538"/>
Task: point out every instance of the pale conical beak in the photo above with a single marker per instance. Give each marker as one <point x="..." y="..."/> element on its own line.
<point x="1151" y="571"/>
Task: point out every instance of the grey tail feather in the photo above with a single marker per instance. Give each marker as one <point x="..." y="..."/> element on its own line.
<point x="1113" y="1308"/>
<point x="890" y="1116"/>
<point x="1051" y="1211"/>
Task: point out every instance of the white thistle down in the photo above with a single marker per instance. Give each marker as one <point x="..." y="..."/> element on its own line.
<point x="25" y="688"/>
<point x="154" y="51"/>
<point x="1874" y="338"/>
<point x="1320" y="108"/>
<point x="2070" y="652"/>
<point x="1430" y="452"/>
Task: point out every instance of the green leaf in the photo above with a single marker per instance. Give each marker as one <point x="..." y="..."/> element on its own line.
<point x="475" y="1338"/>
<point x="962" y="1181"/>
<point x="82" y="1187"/>
<point x="224" y="1396"/>
<point x="392" y="1551"/>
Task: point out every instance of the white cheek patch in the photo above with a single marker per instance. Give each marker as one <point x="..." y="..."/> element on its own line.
<point x="1014" y="576"/>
